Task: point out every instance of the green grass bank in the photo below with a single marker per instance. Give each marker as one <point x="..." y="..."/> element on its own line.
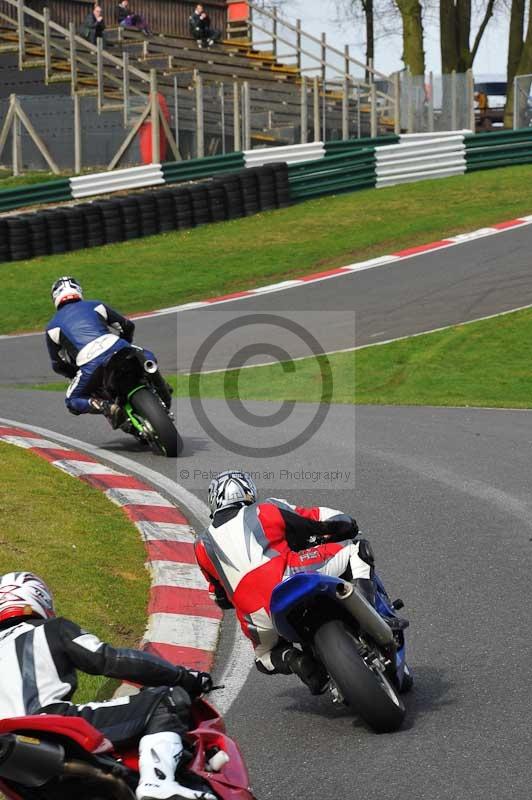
<point x="88" y="552"/>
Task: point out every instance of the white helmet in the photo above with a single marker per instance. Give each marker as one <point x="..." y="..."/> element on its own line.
<point x="23" y="594"/>
<point x="230" y="488"/>
<point x="65" y="290"/>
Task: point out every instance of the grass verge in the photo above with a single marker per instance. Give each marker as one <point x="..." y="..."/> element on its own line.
<point x="215" y="259"/>
<point x="486" y="363"/>
<point x="81" y="544"/>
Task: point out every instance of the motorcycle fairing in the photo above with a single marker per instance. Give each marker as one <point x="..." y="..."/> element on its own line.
<point x="294" y="592"/>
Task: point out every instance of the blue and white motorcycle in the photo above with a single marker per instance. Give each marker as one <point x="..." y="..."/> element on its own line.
<point x="362" y="648"/>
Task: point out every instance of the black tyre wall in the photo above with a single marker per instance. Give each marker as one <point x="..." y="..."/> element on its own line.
<point x="147" y="213"/>
<point x="38" y="234"/>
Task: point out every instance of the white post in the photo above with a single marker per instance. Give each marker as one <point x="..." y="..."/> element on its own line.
<point x="516" y="118"/>
<point x="16" y="145"/>
<point x="222" y="114"/>
<point x="47" y="49"/>
<point x="304" y="111"/>
<point x="77" y="134"/>
<point x="73" y="59"/>
<point x="345" y="109"/>
<point x="125" y="87"/>
<point x="397" y="98"/>
<point x="99" y="71"/>
<point x="246" y="113"/>
<point x="200" y="138"/>
<point x="176" y="112"/>
<point x="431" y="103"/>
<point x="316" y="109"/>
<point x="21" y="42"/>
<point x="298" y="43"/>
<point x="155" y="137"/>
<point x="373" y="110"/>
<point x="236" y="118"/>
<point x="454" y="123"/>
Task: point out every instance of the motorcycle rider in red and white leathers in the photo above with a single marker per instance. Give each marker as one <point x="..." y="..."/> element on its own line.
<point x="40" y="654"/>
<point x="251" y="546"/>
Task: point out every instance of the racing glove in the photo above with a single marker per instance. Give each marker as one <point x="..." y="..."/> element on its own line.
<point x="195" y="683"/>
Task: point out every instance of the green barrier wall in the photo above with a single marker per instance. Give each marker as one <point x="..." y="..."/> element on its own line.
<point x="500" y="149"/>
<point x="345" y="172"/>
<point x="34" y="194"/>
<point x="176" y="171"/>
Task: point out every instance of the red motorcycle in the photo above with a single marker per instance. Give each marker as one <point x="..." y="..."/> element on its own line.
<point x="50" y="757"/>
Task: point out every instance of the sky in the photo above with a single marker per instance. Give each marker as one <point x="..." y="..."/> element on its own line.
<point x="319" y="15"/>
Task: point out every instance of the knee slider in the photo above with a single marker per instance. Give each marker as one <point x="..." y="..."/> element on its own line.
<point x="365" y="551"/>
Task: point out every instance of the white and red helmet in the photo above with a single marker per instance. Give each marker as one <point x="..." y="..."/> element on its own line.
<point x="231" y="488"/>
<point x="23" y="594"/>
<point x="66" y="290"/>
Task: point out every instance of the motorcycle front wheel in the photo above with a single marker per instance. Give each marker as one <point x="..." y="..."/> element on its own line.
<point x="165" y="436"/>
<point x="365" y="689"/>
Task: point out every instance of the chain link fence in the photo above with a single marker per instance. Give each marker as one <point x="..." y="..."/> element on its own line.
<point x="522" y="111"/>
<point x="437" y="103"/>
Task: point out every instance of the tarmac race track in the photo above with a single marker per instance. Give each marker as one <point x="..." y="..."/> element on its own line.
<point x="444" y="496"/>
<point x="468" y="281"/>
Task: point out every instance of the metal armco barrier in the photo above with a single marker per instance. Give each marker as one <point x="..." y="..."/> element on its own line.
<point x="53" y="191"/>
<point x="198" y="168"/>
<point x="421" y="159"/>
<point x="105" y="182"/>
<point x="351" y="145"/>
<point x="345" y="172"/>
<point x="290" y="154"/>
<point x="505" y="148"/>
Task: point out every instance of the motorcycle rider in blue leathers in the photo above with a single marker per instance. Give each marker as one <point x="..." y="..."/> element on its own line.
<point x="81" y="337"/>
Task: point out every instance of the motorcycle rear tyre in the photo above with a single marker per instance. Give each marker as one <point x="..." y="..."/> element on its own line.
<point x="149" y="407"/>
<point x="363" y="689"/>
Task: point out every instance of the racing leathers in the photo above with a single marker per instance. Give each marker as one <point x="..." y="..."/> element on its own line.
<point x="39" y="659"/>
<point x="80" y="338"/>
<point x="249" y="549"/>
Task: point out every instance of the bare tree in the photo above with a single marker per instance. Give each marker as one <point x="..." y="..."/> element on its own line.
<point x="413" y="50"/>
<point x="457" y="52"/>
<point x="519" y="54"/>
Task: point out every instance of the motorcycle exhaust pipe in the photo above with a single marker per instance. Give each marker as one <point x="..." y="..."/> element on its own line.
<point x="150" y="366"/>
<point x="370" y="620"/>
<point x="30" y="761"/>
<point x="111" y="785"/>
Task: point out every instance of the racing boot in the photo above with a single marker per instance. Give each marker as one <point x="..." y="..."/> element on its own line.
<point x="366" y="588"/>
<point x="307" y="669"/>
<point x="159" y="757"/>
<point x="112" y="411"/>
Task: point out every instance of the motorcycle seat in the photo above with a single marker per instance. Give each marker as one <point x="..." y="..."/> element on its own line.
<point x="75" y="728"/>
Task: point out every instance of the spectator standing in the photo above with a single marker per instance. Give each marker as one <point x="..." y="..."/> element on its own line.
<point x="126" y="18"/>
<point x="94" y="25"/>
<point x="200" y="27"/>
